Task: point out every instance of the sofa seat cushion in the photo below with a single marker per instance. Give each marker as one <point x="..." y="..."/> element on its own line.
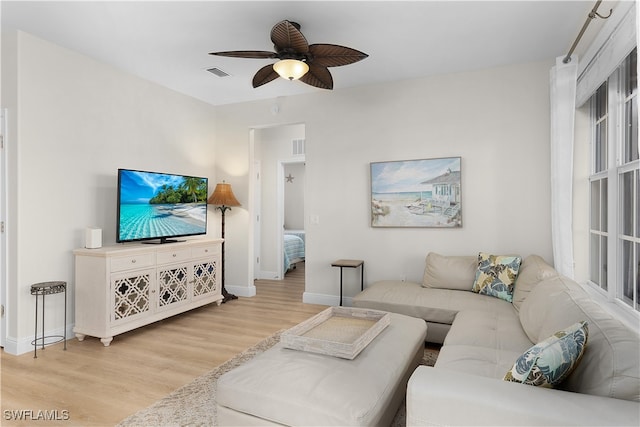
<point x="492" y="329"/>
<point x="475" y="360"/>
<point x="484" y="343"/>
<point x="432" y="305"/>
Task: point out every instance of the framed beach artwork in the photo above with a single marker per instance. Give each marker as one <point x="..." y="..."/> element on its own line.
<point x="416" y="193"/>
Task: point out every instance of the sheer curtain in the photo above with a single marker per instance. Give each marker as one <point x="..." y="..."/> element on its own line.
<point x="563" y="78"/>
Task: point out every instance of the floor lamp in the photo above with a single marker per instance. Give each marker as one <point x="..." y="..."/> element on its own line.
<point x="223" y="199"/>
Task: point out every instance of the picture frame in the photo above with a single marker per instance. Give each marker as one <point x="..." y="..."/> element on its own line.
<point x="417" y="193"/>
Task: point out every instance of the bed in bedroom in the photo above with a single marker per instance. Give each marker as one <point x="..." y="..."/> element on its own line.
<point x="293" y="248"/>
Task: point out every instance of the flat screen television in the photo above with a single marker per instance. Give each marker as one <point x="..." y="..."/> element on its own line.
<point x="157" y="207"/>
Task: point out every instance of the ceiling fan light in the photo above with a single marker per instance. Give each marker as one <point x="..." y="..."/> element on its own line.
<point x="291" y="69"/>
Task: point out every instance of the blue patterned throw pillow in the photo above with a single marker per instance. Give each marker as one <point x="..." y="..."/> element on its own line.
<point x="549" y="362"/>
<point x="496" y="275"/>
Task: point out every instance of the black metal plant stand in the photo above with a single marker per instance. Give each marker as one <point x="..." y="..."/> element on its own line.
<point x="40" y="290"/>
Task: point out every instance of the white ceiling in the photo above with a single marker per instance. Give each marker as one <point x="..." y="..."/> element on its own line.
<point x="168" y="42"/>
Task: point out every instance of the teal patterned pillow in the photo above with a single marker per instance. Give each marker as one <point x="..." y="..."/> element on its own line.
<point x="549" y="362"/>
<point x="496" y="275"/>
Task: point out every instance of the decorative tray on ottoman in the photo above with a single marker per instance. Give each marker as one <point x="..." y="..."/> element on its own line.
<point x="337" y="331"/>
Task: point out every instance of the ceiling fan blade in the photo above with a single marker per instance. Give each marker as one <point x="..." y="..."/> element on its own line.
<point x="264" y="75"/>
<point x="285" y="35"/>
<point x="253" y="54"/>
<point x="318" y="76"/>
<point x="332" y="55"/>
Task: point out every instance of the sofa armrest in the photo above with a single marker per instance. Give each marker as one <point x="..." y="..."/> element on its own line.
<point x="437" y="396"/>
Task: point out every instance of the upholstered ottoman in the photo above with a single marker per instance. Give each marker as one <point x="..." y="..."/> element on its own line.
<point x="296" y="388"/>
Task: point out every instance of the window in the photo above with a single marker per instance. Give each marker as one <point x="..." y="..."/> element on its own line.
<point x="599" y="189"/>
<point x="615" y="186"/>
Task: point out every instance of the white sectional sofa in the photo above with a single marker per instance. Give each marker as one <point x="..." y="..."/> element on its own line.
<point x="483" y="336"/>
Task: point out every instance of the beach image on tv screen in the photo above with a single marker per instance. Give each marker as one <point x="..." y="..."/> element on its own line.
<point x="155" y="205"/>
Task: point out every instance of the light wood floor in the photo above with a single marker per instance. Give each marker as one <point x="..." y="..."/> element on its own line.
<point x="99" y="386"/>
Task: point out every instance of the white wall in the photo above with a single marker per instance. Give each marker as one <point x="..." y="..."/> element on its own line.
<point x="74" y="122"/>
<point x="294" y="196"/>
<point x="497" y="120"/>
<point x="9" y="100"/>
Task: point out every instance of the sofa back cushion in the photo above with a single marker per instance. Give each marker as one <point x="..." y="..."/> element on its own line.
<point x="549" y="362"/>
<point x="610" y="365"/>
<point x="533" y="270"/>
<point x="450" y="272"/>
<point x="536" y="306"/>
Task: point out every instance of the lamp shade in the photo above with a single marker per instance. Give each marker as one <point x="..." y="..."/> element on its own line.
<point x="223" y="195"/>
<point x="291" y="69"/>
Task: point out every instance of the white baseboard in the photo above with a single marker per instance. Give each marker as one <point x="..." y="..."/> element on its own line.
<point x="242" y="291"/>
<point x="323" y="299"/>
<point x="18" y="346"/>
<point x="268" y="275"/>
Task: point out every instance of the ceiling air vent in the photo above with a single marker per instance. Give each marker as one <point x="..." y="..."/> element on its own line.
<point x="297" y="147"/>
<point x="218" y="72"/>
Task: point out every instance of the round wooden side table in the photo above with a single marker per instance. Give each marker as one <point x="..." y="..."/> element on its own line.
<point x="42" y="289"/>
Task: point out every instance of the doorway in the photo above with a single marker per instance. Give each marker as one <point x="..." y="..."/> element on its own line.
<point x="291" y="185"/>
<point x="273" y="150"/>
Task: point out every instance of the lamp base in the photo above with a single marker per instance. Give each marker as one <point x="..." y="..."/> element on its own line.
<point x="227" y="296"/>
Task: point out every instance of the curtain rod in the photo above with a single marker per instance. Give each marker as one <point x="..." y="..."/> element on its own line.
<point x="592" y="15"/>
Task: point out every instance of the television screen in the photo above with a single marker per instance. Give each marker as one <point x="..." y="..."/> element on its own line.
<point x="162" y="206"/>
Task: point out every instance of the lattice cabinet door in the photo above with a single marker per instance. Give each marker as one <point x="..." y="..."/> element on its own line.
<point x="131" y="295"/>
<point x="172" y="285"/>
<point x="206" y="279"/>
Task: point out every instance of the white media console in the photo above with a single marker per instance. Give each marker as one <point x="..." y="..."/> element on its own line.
<point x="123" y="287"/>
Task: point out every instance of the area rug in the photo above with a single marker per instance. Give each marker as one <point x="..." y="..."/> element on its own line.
<point x="195" y="403"/>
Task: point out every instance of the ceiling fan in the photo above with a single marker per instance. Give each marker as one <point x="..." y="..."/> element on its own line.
<point x="297" y="58"/>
